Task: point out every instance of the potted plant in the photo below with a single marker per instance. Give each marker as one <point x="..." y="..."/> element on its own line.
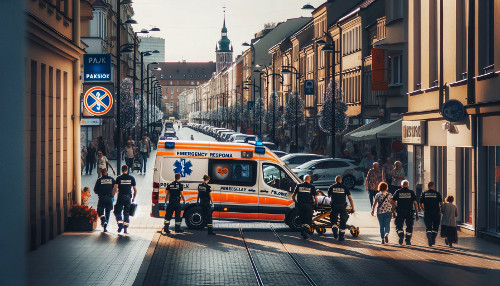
<point x="82" y="218"/>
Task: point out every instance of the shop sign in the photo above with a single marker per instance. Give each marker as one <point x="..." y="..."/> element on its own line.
<point x="90" y="122"/>
<point x="96" y="67"/>
<point x="414" y="132"/>
<point x="453" y="110"/>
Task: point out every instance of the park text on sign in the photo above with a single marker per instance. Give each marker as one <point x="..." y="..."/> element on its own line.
<point x="414" y="132"/>
<point x="97" y="67"/>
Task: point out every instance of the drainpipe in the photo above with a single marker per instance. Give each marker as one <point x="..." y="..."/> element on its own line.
<point x="441" y="68"/>
<point x="76" y="106"/>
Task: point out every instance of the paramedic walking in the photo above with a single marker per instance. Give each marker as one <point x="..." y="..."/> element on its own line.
<point x="406" y="208"/>
<point x="206" y="202"/>
<point x="338" y="193"/>
<point x="173" y="204"/>
<point x="104" y="190"/>
<point x="124" y="184"/>
<point x="304" y="197"/>
<point x="431" y="203"/>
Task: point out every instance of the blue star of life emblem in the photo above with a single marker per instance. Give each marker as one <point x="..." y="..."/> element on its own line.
<point x="183" y="167"/>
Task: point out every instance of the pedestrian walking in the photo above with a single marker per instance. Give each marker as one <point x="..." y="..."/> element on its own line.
<point x="300" y="145"/>
<point x="144" y="151"/>
<point x="373" y="179"/>
<point x="338" y="193"/>
<point x="398" y="175"/>
<point x="293" y="148"/>
<point x="124" y="183"/>
<point x="385" y="209"/>
<point x="387" y="170"/>
<point x="104" y="190"/>
<point x="103" y="163"/>
<point x="406" y="208"/>
<point x="85" y="196"/>
<point x="91" y="158"/>
<point x="206" y="202"/>
<point x="367" y="162"/>
<point x="449" y="222"/>
<point x="431" y="203"/>
<point x="173" y="204"/>
<point x="303" y="196"/>
<point x="129" y="153"/>
<point x="101" y="147"/>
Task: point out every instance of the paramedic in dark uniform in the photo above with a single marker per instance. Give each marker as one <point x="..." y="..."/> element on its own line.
<point x="303" y="196"/>
<point x="104" y="190"/>
<point x="206" y="202"/>
<point x="173" y="204"/>
<point x="338" y="193"/>
<point x="124" y="184"/>
<point x="431" y="203"/>
<point x="406" y="208"/>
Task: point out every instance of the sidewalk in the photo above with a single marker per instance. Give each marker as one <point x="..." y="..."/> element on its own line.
<point x="96" y="258"/>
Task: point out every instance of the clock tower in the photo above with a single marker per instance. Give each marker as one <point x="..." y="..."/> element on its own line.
<point x="223" y="50"/>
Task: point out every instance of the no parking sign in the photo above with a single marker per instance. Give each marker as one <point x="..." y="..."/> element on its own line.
<point x="98" y="100"/>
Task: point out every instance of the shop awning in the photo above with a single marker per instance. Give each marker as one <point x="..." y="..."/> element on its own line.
<point x="373" y="124"/>
<point x="388" y="130"/>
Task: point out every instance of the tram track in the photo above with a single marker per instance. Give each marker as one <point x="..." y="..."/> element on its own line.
<point x="256" y="266"/>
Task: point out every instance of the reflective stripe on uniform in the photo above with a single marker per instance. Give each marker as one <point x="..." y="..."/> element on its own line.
<point x="126" y="223"/>
<point x="120" y="222"/>
<point x="177" y="223"/>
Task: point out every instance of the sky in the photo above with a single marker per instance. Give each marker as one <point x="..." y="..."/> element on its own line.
<point x="191" y="28"/>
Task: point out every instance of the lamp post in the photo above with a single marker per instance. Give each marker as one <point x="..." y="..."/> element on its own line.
<point x="144" y="54"/>
<point x="273" y="94"/>
<point x="284" y="72"/>
<point x="118" y="78"/>
<point x="147" y="93"/>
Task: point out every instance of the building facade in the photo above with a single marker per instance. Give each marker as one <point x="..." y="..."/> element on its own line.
<point x="452" y="122"/>
<point x="52" y="96"/>
<point x="177" y="77"/>
<point x="153" y="44"/>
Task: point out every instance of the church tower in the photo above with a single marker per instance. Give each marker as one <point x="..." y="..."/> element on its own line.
<point x="224" y="50"/>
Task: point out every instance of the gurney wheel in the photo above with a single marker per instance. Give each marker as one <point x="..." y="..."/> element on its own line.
<point x="354" y="231"/>
<point x="321" y="230"/>
<point x="310" y="230"/>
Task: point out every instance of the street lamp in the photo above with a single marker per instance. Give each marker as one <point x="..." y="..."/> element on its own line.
<point x="147" y="94"/>
<point x="273" y="94"/>
<point x="142" y="31"/>
<point x="286" y="71"/>
<point x="118" y="65"/>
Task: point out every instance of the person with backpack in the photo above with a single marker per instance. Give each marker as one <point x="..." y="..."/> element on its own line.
<point x="385" y="209"/>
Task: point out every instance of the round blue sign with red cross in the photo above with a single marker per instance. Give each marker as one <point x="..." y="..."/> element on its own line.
<point x="98" y="100"/>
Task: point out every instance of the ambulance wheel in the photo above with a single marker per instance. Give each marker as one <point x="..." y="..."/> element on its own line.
<point x="194" y="218"/>
<point x="354" y="231"/>
<point x="349" y="181"/>
<point x="321" y="230"/>
<point x="293" y="220"/>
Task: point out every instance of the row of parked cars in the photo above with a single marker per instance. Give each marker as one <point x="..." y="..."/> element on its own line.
<point x="321" y="168"/>
<point x="229" y="135"/>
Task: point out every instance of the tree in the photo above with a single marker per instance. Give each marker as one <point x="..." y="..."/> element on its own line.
<point x="127" y="104"/>
<point x="294" y="111"/>
<point x="274" y="113"/>
<point x="341" y="119"/>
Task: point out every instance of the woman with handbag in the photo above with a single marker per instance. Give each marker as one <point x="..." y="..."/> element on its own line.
<point x="385" y="210"/>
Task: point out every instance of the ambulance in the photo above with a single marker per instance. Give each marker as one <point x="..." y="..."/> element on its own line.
<point x="249" y="182"/>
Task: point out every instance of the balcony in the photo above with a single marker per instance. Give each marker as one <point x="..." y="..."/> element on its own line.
<point x="381" y="30"/>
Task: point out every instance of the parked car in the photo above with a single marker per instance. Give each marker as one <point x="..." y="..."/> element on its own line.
<point x="324" y="171"/>
<point x="280" y="153"/>
<point x="237" y="136"/>
<point x="296" y="159"/>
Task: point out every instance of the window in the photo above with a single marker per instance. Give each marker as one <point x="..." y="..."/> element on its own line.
<point x="198" y="83"/>
<point x="396" y="69"/>
<point x="178" y="89"/>
<point x="275" y="177"/>
<point x="493" y="211"/>
<point x="232" y="172"/>
<point x="416" y="46"/>
<point x="171" y="96"/>
<point x="461" y="40"/>
<point x="486" y="36"/>
<point x="171" y="83"/>
<point x="433" y="43"/>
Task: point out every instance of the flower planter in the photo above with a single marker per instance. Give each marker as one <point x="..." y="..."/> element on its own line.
<point x="81" y="224"/>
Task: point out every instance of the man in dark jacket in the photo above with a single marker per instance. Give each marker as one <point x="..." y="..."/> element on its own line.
<point x="104" y="190"/>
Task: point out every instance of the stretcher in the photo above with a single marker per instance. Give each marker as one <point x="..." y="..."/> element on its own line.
<point x="321" y="220"/>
